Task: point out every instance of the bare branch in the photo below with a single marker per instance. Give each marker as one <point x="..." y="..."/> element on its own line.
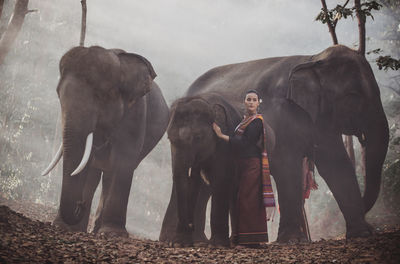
<point x="13" y="28"/>
<point x="361" y="27"/>
<point x="32" y="11"/>
<point x="83" y="23"/>
<point x="1" y="13"/>
<point x="329" y="23"/>
<point x="1" y="7"/>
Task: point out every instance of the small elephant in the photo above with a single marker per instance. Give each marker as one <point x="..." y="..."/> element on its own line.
<point x="113" y="114"/>
<point x="337" y="91"/>
<point x="197" y="152"/>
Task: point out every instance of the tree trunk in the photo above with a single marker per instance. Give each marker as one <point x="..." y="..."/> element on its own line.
<point x="329" y="23"/>
<point x="361" y="27"/>
<point x="83" y="23"/>
<point x="14" y="26"/>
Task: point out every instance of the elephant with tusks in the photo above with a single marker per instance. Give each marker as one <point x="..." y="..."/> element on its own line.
<point x="113" y="114"/>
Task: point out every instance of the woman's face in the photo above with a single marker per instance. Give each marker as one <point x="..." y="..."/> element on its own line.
<point x="251" y="102"/>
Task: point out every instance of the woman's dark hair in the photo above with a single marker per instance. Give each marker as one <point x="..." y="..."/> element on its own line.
<point x="252" y="91"/>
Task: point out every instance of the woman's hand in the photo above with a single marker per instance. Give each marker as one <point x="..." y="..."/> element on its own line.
<point x="219" y="133"/>
<point x="217" y="130"/>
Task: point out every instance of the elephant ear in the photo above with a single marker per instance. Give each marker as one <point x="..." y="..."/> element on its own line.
<point x="305" y="88"/>
<point x="221" y="117"/>
<point x="137" y="75"/>
<point x="271" y="138"/>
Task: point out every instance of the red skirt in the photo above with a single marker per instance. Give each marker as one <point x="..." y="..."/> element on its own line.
<point x="251" y="215"/>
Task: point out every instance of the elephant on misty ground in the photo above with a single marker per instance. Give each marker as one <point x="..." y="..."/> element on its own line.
<point x="113" y="114"/>
<point x="197" y="153"/>
<point x="192" y="137"/>
<point x="338" y="91"/>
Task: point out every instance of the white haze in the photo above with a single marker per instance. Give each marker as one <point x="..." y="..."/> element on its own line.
<point x="182" y="39"/>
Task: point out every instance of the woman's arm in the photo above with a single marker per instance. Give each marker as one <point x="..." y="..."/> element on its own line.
<point x="250" y="137"/>
<point x="219" y="133"/>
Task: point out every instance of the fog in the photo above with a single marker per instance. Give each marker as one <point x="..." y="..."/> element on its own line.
<point x="182" y="39"/>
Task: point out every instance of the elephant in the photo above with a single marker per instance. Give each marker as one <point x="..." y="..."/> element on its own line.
<point x="113" y="114"/>
<point x="197" y="153"/>
<point x="334" y="92"/>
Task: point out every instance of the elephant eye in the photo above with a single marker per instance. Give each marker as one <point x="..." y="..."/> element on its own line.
<point x="197" y="137"/>
<point x="181" y="118"/>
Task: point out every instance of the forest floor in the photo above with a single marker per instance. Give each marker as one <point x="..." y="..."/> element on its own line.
<point x="30" y="238"/>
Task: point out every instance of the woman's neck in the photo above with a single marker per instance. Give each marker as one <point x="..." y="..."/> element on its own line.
<point x="251" y="113"/>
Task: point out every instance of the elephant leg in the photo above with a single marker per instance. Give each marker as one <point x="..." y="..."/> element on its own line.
<point x="194" y="188"/>
<point x="199" y="236"/>
<point x="170" y="221"/>
<point x="104" y="193"/>
<point x="168" y="228"/>
<point x="92" y="181"/>
<point x="335" y="167"/>
<point x="114" y="202"/>
<point x="190" y="187"/>
<point x="220" y="206"/>
<point x="288" y="177"/>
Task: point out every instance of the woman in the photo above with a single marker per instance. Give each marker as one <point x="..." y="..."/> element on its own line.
<point x="255" y="190"/>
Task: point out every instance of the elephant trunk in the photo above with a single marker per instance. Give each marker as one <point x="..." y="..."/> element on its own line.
<point x="76" y="128"/>
<point x="181" y="170"/>
<point x="376" y="144"/>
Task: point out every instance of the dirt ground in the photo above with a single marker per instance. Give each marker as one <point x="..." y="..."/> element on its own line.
<point x="30" y="238"/>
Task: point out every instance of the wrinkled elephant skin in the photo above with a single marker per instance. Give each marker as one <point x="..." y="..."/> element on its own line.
<point x="333" y="93"/>
<point x="111" y="94"/>
<point x="196" y="150"/>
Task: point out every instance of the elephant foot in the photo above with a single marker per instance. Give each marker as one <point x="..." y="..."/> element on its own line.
<point x="200" y="240"/>
<point x="201" y="244"/>
<point x="113" y="231"/>
<point x="182" y="240"/>
<point x="58" y="222"/>
<point x="220" y="242"/>
<point x="291" y="237"/>
<point x="200" y="237"/>
<point x="359" y="230"/>
<point x="177" y="241"/>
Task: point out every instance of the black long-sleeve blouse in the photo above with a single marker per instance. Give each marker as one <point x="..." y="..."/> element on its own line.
<point x="245" y="145"/>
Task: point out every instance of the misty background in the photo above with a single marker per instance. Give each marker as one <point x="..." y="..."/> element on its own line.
<point x="182" y="39"/>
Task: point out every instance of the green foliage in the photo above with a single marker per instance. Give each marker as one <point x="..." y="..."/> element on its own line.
<point x="366" y="9"/>
<point x="375" y="51"/>
<point x="387" y="62"/>
<point x="391" y="7"/>
<point x="10" y="181"/>
<point x="28" y="78"/>
<point x="334" y="14"/>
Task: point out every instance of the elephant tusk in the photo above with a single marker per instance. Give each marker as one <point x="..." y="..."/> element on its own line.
<point x="204" y="177"/>
<point x="362" y="139"/>
<point x="190" y="172"/>
<point x="54" y="162"/>
<point x="86" y="154"/>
